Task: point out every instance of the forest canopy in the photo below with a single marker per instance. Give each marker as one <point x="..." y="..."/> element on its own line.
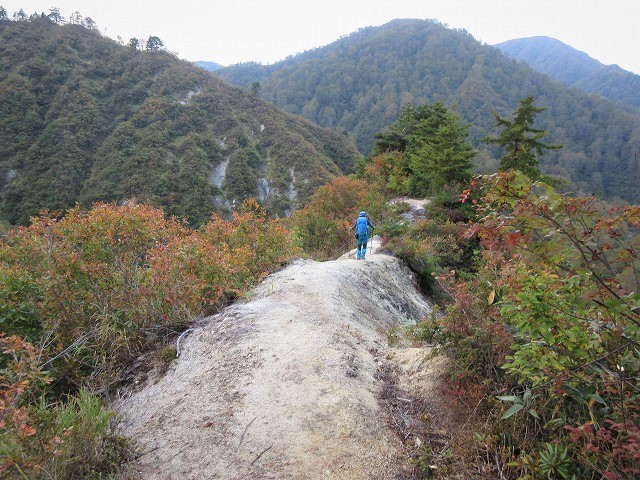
<point x="85" y="119"/>
<point x="361" y="82"/>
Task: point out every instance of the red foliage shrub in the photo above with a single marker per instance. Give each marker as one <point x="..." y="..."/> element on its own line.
<point x="108" y="280"/>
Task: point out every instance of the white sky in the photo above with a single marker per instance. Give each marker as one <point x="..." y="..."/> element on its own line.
<point x="232" y="31"/>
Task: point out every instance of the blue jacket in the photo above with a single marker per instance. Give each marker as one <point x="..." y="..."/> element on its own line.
<point x="362" y="225"/>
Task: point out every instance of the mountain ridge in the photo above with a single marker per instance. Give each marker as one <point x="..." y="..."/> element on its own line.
<point x="84" y="119"/>
<point x="208" y="66"/>
<point x="285" y="374"/>
<point x="575" y="68"/>
<point x="360" y="83"/>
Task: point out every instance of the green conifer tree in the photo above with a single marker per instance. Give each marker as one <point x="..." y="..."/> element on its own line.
<point x="436" y="148"/>
<point x="520" y="140"/>
<point x="445" y="158"/>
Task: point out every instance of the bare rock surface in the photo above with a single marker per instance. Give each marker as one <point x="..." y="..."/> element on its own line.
<point x="285" y="385"/>
<point x="415" y="207"/>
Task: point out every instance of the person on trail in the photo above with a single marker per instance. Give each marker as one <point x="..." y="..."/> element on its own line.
<point x="362" y="226"/>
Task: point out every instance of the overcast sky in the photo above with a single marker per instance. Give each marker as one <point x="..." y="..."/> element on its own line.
<point x="233" y="31"/>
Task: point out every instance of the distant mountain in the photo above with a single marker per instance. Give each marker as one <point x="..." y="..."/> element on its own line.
<point x="575" y="68"/>
<point x="209" y="66"/>
<point x="84" y="119"/>
<point x="360" y="83"/>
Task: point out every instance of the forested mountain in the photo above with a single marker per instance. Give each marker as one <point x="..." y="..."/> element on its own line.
<point x="209" y="66"/>
<point x="575" y="68"/>
<point x="84" y="119"/>
<point x="360" y="83"/>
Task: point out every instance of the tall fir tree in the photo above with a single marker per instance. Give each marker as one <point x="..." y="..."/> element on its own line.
<point x="520" y="140"/>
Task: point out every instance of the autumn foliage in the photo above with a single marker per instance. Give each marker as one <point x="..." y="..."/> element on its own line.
<point x="85" y="293"/>
<point x="550" y="328"/>
<point x="21" y="374"/>
<point x="323" y="224"/>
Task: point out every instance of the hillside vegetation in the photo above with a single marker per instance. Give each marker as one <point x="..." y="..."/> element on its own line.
<point x="538" y="303"/>
<point x="361" y="82"/>
<point x="537" y="292"/>
<point x="84" y="119"/>
<point x="83" y="296"/>
<point x="575" y="68"/>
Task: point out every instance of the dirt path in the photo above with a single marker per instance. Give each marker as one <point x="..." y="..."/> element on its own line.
<point x="285" y="385"/>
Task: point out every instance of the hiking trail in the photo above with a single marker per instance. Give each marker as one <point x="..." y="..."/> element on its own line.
<point x="287" y="384"/>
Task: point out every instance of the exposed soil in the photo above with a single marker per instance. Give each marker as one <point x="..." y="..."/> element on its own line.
<point x="310" y="378"/>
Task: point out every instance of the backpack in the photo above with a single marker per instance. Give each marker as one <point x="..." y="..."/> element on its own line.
<point x="362" y="227"/>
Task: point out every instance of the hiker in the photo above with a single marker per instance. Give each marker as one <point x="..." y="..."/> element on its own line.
<point x="361" y="226"/>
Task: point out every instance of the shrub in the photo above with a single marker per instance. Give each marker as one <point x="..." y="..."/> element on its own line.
<point x="559" y="286"/>
<point x="95" y="289"/>
<point x="429" y="250"/>
<point x="87" y="274"/>
<point x="20" y="380"/>
<point x="84" y="446"/>
<point x="259" y="243"/>
<point x="323" y="224"/>
<point x="37" y="440"/>
<point x="101" y="285"/>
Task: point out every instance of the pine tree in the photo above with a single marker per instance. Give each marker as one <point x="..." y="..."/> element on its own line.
<point x="520" y="140"/>
<point x="445" y="159"/>
<point x="412" y="129"/>
<point x="20" y="16"/>
<point x="154" y="44"/>
<point x="89" y="24"/>
<point x="429" y="147"/>
<point x="55" y="16"/>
